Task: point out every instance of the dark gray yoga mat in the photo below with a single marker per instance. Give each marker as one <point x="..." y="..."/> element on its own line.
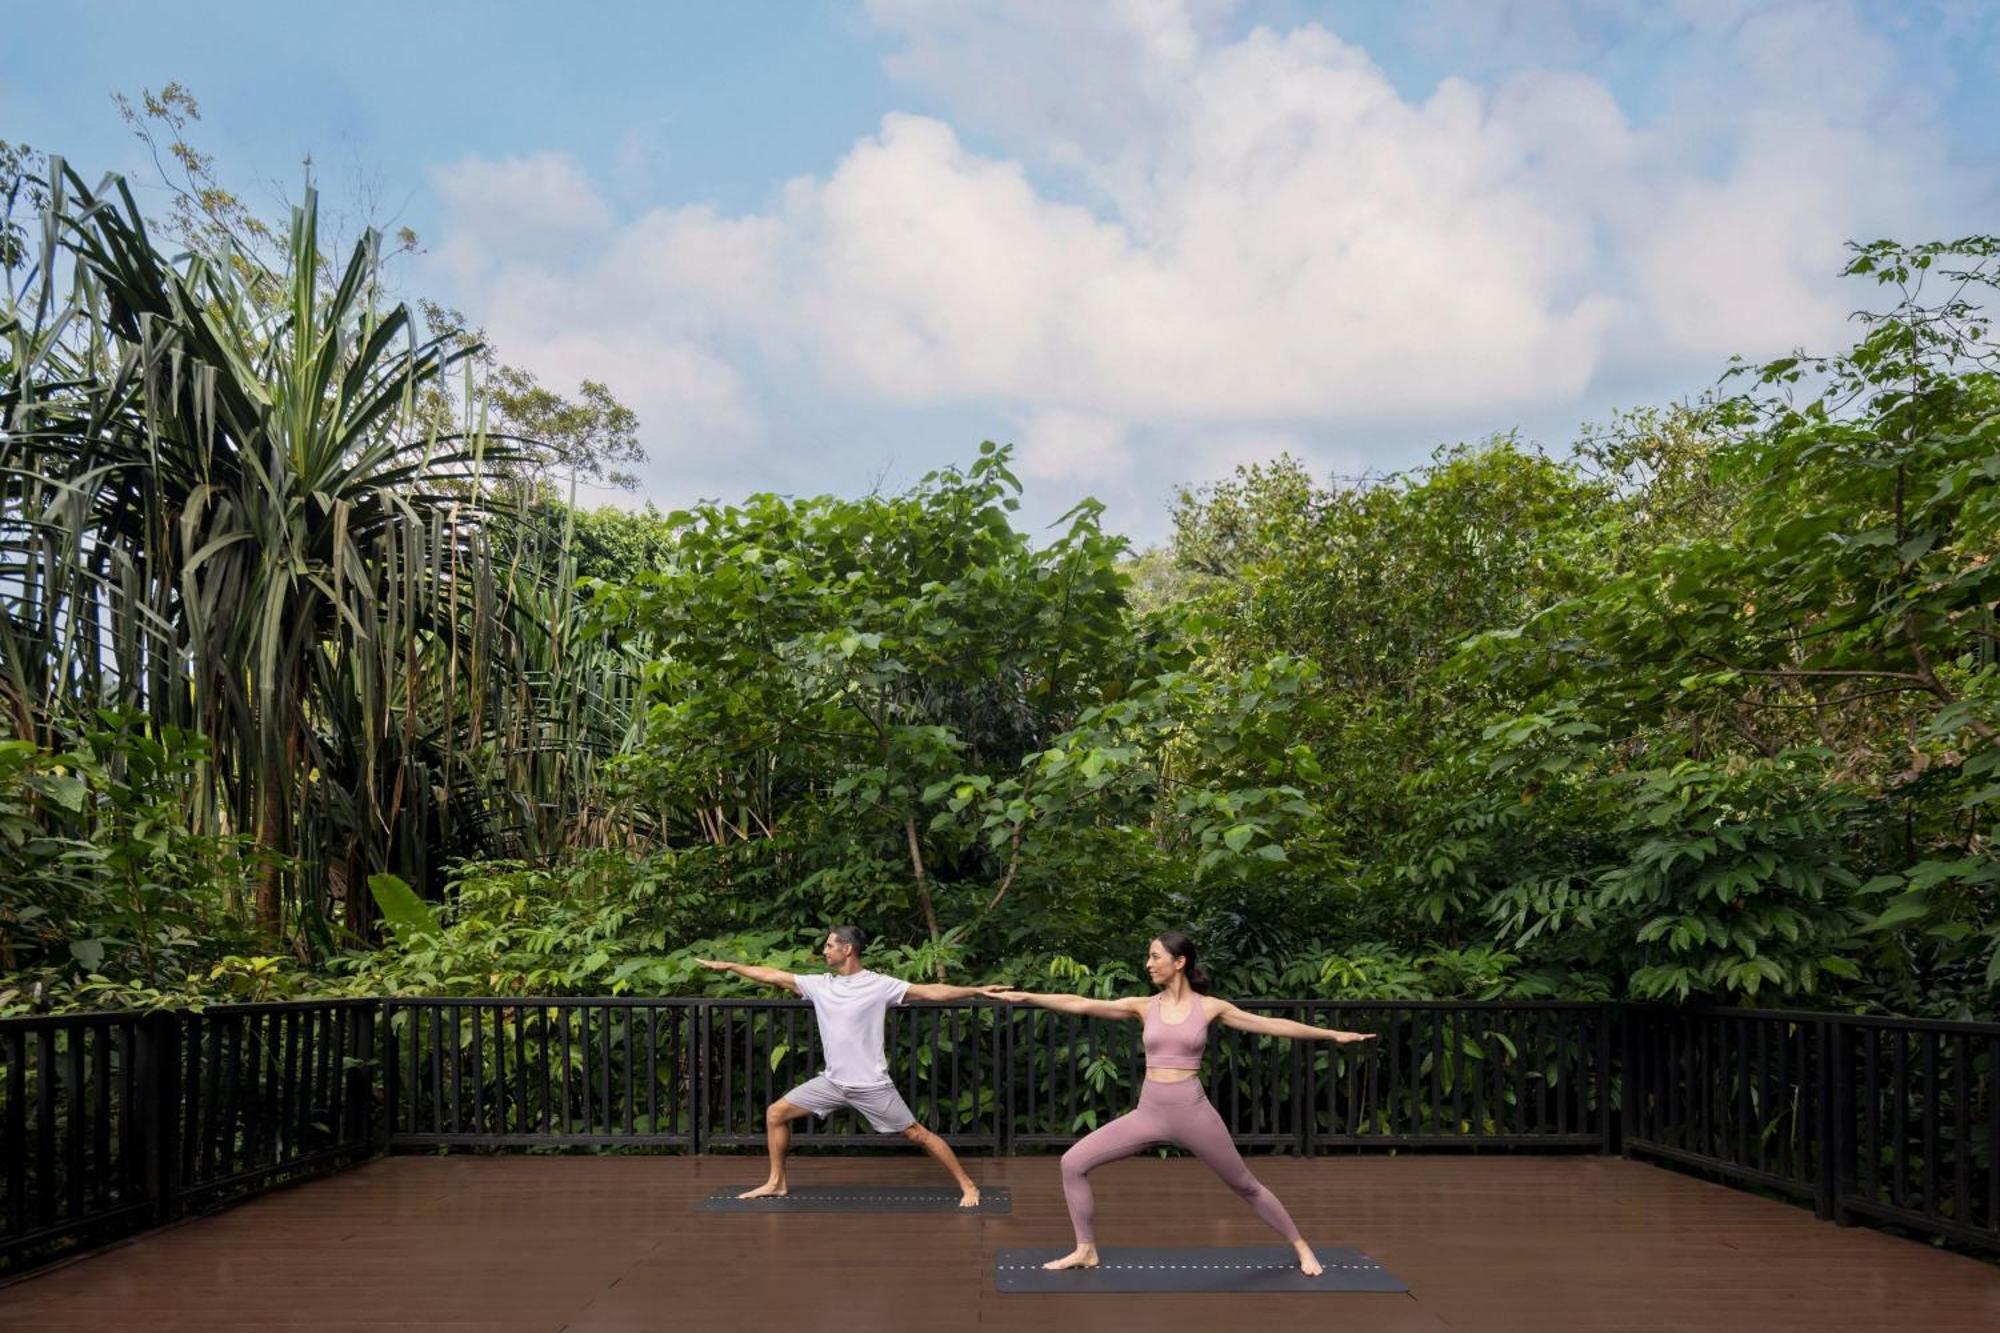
<point x="1188" y="1268"/>
<point x="857" y="1199"/>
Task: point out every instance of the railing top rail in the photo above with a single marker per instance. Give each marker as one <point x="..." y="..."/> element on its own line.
<point x="1967" y="1027"/>
<point x="559" y="1001"/>
<point x="83" y="1019"/>
<point x="1439" y="1004"/>
<point x="284" y="1006"/>
<point x="775" y="1002"/>
<point x="636" y="1002"/>
<point x="100" y="1017"/>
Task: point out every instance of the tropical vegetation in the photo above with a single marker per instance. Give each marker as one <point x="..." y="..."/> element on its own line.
<point x="314" y="678"/>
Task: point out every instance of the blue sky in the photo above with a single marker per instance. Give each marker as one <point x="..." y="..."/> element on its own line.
<point x="829" y="246"/>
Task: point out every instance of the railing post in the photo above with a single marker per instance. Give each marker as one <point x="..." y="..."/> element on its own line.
<point x="392" y="1081"/>
<point x="1836" y="1124"/>
<point x="1630" y="1094"/>
<point x="1821" y="1085"/>
<point x="1302" y="1064"/>
<point x="372" y="1128"/>
<point x="1845" y="1148"/>
<point x="1003" y="1093"/>
<point x="1607" y="1017"/>
<point x="159" y="1089"/>
<point x="697" y="1076"/>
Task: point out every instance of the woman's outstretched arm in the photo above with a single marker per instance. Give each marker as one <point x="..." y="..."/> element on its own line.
<point x="1265" y="1025"/>
<point x="1076" y="1004"/>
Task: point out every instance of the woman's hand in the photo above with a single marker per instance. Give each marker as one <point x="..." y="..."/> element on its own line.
<point x="1348" y="1038"/>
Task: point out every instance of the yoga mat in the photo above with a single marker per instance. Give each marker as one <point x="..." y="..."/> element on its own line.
<point x="857" y="1199"/>
<point x="1192" y="1268"/>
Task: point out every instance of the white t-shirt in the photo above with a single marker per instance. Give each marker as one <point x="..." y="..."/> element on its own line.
<point x="850" y="1010"/>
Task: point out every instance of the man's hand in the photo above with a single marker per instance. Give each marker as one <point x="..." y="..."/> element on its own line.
<point x="1000" y="989"/>
<point x="716" y="965"/>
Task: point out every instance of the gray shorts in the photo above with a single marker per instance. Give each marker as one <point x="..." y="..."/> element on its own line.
<point x="886" y="1111"/>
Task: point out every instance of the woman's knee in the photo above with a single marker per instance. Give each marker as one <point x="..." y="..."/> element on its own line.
<point x="1076" y="1164"/>
<point x="1241" y="1180"/>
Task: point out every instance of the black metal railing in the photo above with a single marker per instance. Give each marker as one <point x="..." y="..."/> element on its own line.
<point x="1889" y="1120"/>
<point x="699" y="1074"/>
<point x="74" y="1162"/>
<point x="110" y="1123"/>
<point x="594" y="1073"/>
<point x="1466" y="1074"/>
<point x="265" y="1092"/>
<point x="1730" y="1091"/>
<point x="1915" y="1129"/>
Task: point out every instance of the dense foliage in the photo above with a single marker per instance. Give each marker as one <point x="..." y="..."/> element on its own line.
<point x="1706" y="707"/>
<point x="278" y="610"/>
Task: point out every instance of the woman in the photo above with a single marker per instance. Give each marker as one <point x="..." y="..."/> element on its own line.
<point x="1172" y="1106"/>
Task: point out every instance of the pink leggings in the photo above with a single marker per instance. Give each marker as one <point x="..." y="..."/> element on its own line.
<point x="1176" y="1113"/>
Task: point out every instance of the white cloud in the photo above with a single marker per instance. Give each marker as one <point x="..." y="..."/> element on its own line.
<point x="1268" y="276"/>
<point x="1060" y="445"/>
<point x="644" y="150"/>
<point x="506" y="206"/>
<point x="1534" y="32"/>
<point x="1063" y="81"/>
<point x="532" y="248"/>
<point x="1201" y="234"/>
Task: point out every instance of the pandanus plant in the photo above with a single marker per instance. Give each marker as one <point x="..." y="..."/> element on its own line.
<point x="237" y="495"/>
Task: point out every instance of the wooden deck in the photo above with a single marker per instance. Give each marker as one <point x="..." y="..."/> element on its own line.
<point x="597" y="1245"/>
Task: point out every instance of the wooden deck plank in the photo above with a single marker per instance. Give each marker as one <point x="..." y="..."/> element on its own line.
<point x="612" y="1245"/>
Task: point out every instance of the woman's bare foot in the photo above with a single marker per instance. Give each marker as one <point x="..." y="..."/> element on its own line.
<point x="1083" y="1256"/>
<point x="774" y="1189"/>
<point x="1309" y="1263"/>
<point x="970" y="1198"/>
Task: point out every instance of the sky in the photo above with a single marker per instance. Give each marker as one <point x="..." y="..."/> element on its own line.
<point x="832" y="246"/>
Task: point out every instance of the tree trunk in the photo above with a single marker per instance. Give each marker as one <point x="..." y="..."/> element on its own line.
<point x="270" y="823"/>
<point x="923" y="889"/>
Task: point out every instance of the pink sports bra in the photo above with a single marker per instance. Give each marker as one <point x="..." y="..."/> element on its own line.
<point x="1175" y="1045"/>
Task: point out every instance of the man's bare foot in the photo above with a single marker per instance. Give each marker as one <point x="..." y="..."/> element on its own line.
<point x="770" y="1190"/>
<point x="970" y="1198"/>
<point x="1083" y="1256"/>
<point x="1309" y="1263"/>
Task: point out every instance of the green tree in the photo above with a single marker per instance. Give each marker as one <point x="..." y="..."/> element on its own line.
<point x="1804" y="697"/>
<point x="1376" y="585"/>
<point x="846" y="657"/>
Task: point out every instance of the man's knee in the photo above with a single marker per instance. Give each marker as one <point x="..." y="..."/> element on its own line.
<point x="917" y="1134"/>
<point x="781" y="1113"/>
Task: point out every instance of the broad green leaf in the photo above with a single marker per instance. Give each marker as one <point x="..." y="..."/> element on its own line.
<point x="408" y="915"/>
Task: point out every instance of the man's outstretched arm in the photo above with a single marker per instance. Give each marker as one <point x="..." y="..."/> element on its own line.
<point x="937" y="992"/>
<point x="770" y="976"/>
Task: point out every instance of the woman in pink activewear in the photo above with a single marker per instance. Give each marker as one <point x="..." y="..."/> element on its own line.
<point x="1172" y="1106"/>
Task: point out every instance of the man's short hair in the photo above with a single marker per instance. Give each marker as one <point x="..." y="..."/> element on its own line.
<point x="854" y="937"/>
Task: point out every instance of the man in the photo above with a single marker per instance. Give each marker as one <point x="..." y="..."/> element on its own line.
<point x="849" y="1004"/>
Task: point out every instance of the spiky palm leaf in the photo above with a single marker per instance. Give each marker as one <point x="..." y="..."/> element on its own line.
<point x="229" y="500"/>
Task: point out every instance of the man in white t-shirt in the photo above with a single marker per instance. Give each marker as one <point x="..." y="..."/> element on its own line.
<point x="850" y="1004"/>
